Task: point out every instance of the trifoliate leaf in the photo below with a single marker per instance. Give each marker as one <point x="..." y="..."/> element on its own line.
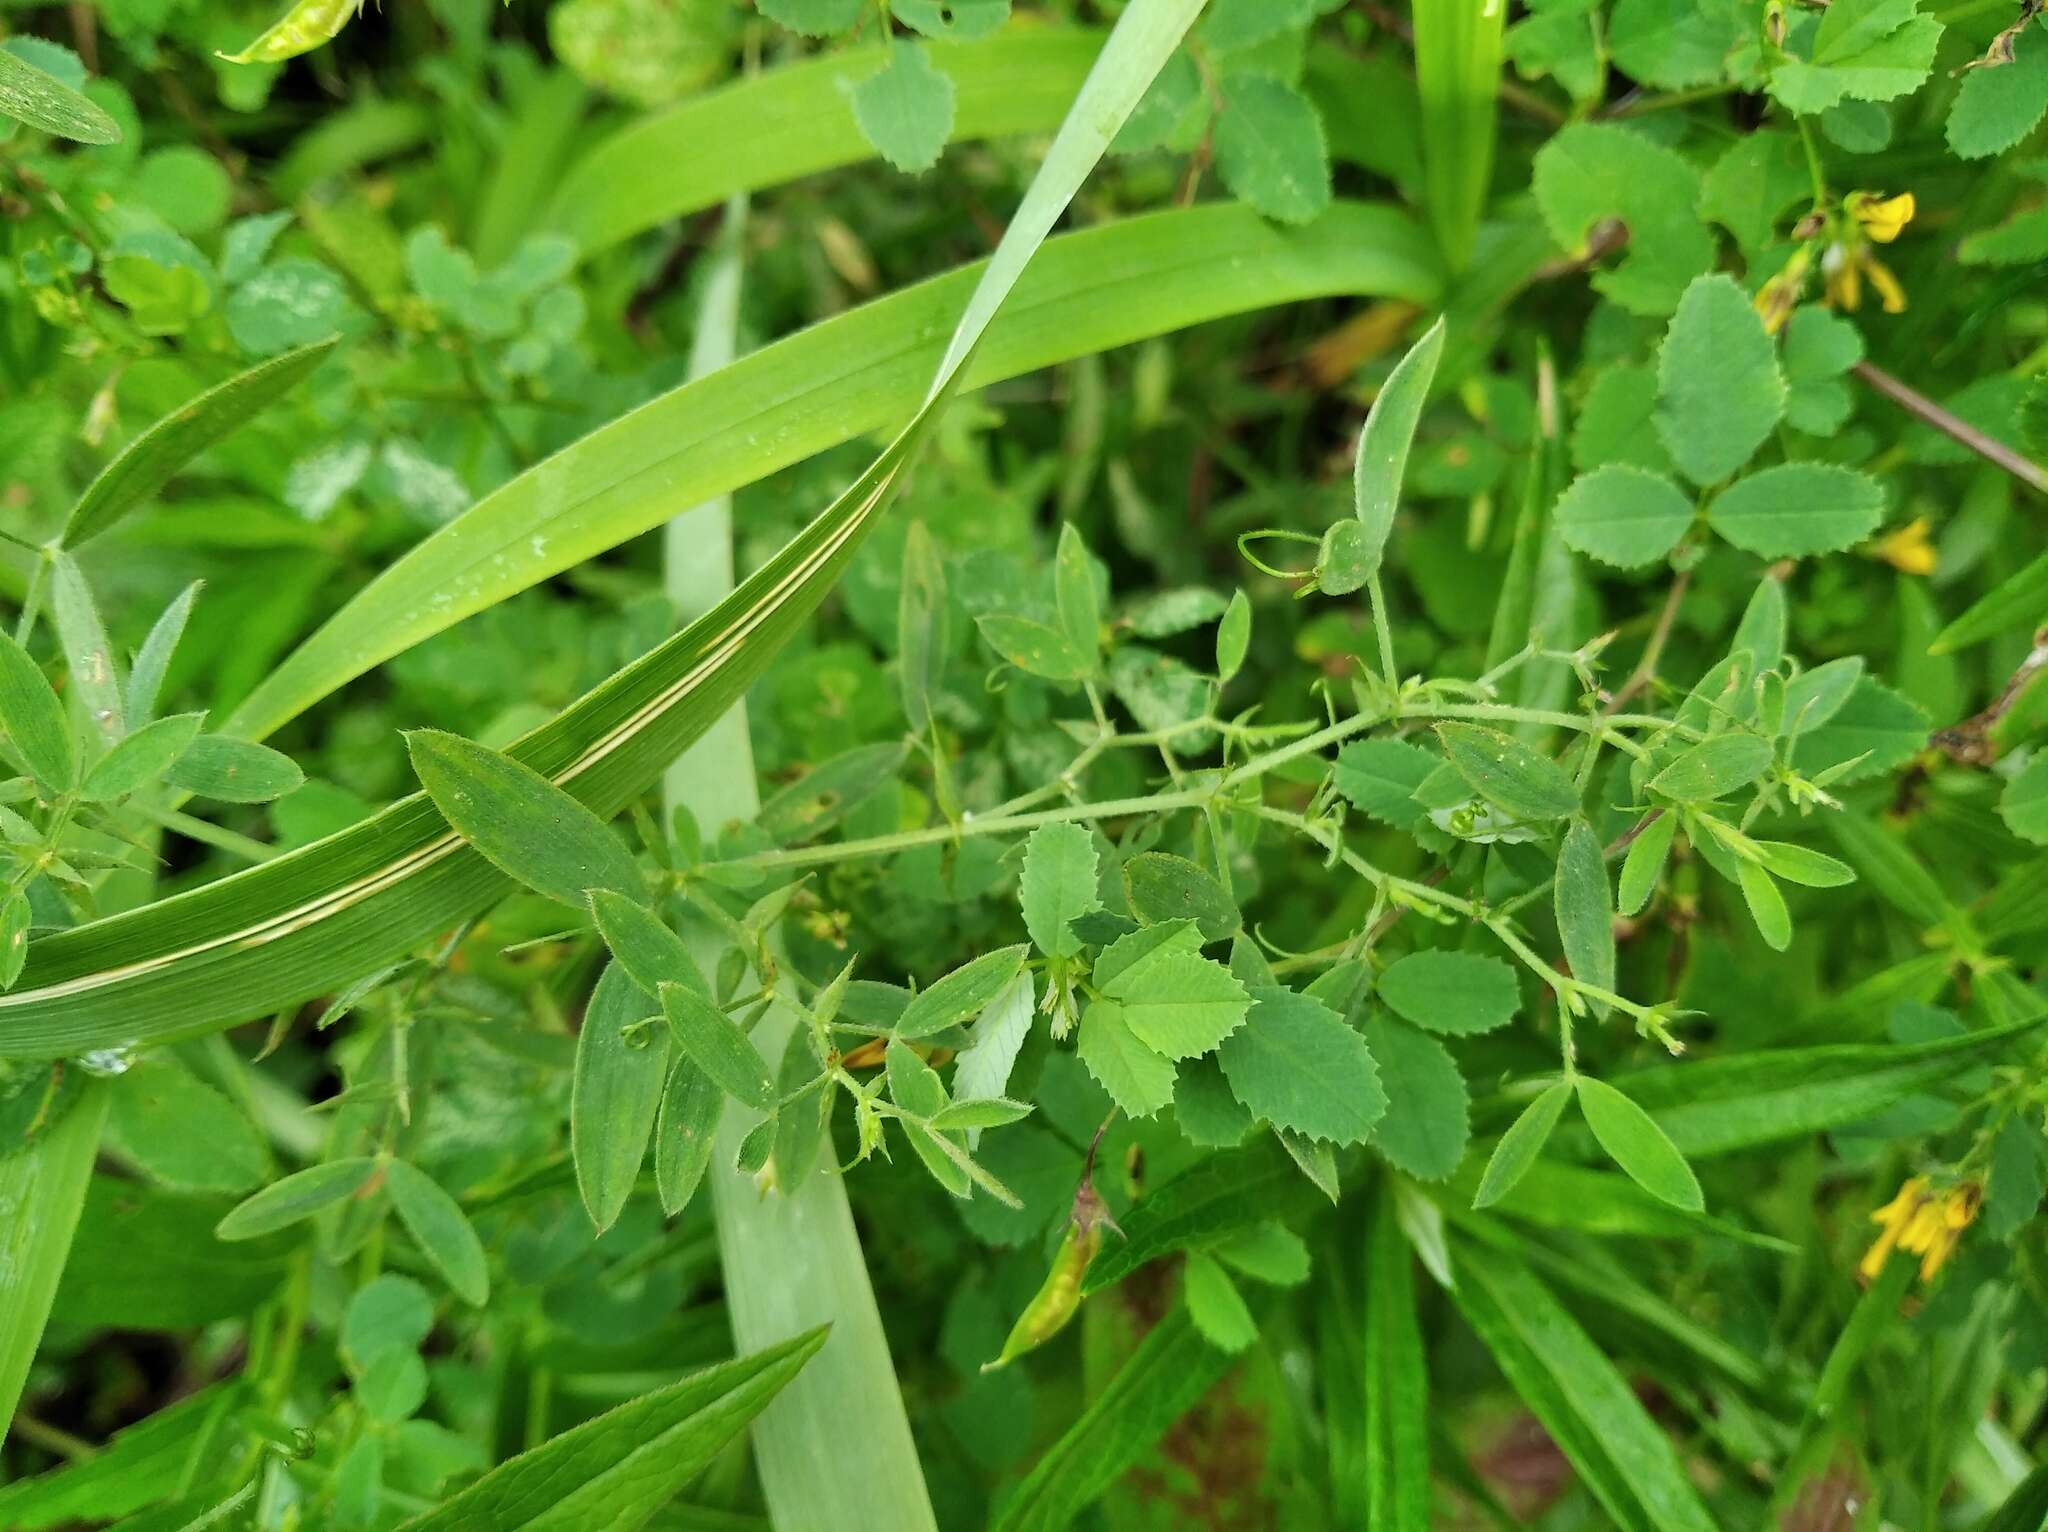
<point x="1754" y="181"/>
<point x="1427" y="1123"/>
<point x="1556" y="38"/>
<point x="1875" y="723"/>
<point x="1623" y="515"/>
<point x="1453" y="992"/>
<point x="1179" y="1003"/>
<point x="1719" y="391"/>
<point x="1590" y="172"/>
<point x="1269" y="148"/>
<point x="1795" y="509"/>
<point x="1298" y="1065"/>
<point x="905" y="109"/>
<point x="1868" y="50"/>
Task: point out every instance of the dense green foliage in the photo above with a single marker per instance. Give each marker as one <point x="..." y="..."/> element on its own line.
<point x="702" y="832"/>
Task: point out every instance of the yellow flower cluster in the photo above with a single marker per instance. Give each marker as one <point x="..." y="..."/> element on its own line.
<point x="1922" y="1222"/>
<point x="1847" y="263"/>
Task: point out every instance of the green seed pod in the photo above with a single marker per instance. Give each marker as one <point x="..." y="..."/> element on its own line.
<point x="1059" y="1296"/>
<point x="301" y="29"/>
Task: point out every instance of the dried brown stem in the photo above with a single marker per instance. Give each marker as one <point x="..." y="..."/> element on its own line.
<point x="1918" y="405"/>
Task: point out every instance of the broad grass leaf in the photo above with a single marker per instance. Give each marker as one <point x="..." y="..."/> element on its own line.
<point x="619" y="1469"/>
<point x="714" y="1041"/>
<point x="34" y="720"/>
<point x="234" y="770"/>
<point x="1719" y="391"/>
<point x="1623" y="515"/>
<point x="441" y="1229"/>
<point x="1172" y="1368"/>
<point x="1714" y="768"/>
<point x="1508" y="773"/>
<point x="139" y="1466"/>
<point x="1717" y="1106"/>
<point x="1633" y="1141"/>
<point x="1383" y="445"/>
<point x="2016" y="603"/>
<point x="1519" y="1147"/>
<point x="961" y="994"/>
<point x="43" y="1186"/>
<point x="1794" y="510"/>
<point x="1622" y="1456"/>
<point x="522" y="823"/>
<point x="42" y="101"/>
<point x="622" y="1056"/>
<point x="1058" y="884"/>
<point x="1583" y="902"/>
<point x="1452" y="992"/>
<point x="1396" y="1381"/>
<point x="298" y="1196"/>
<point x="150" y="461"/>
<point x="1297" y="1064"/>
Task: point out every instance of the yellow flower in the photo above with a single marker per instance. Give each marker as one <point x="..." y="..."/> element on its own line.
<point x="1881" y="218"/>
<point x="1776" y="299"/>
<point x="1846" y="266"/>
<point x="1907" y="549"/>
<point x="1889" y="293"/>
<point x="1922" y="1223"/>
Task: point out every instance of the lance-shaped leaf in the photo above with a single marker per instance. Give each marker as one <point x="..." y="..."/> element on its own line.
<point x="34" y="719"/>
<point x="715" y="1043"/>
<point x="44" y="102"/>
<point x="1508" y="773"/>
<point x="622" y="1467"/>
<point x="1383" y="445"/>
<point x="621" y="1069"/>
<point x="147" y="463"/>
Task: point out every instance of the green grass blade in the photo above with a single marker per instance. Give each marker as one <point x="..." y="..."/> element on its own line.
<point x="1587" y="1407"/>
<point x="48" y="105"/>
<point x="849" y="375"/>
<point x="42" y="1188"/>
<point x="797" y="121"/>
<point x="1457" y="69"/>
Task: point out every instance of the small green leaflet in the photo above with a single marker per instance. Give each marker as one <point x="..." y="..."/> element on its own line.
<point x="1164" y="887"/>
<point x="1380" y="777"/>
<point x="615" y="1090"/>
<point x="1819" y="349"/>
<point x="1382" y="460"/>
<point x="1521" y="1144"/>
<point x="1270" y="150"/>
<point x="1714" y="768"/>
<point x="1035" y="647"/>
<point x="1179" y="1003"/>
<point x="1633" y="1141"/>
<point x="296" y="1197"/>
<point x="34" y="719"/>
<point x="525" y="825"/>
<point x="1137" y="1079"/>
<point x="1593" y="171"/>
<point x="1233" y="637"/>
<point x="1427" y="1121"/>
<point x="905" y="108"/>
<point x="1144" y="944"/>
<point x="718" y="1046"/>
<point x="439" y="1227"/>
<point x="1058" y="884"/>
<point x="1623" y="515"/>
<point x="1719" y="391"/>
<point x="1796" y="509"/>
<point x="960" y="994"/>
<point x="1766" y="905"/>
<point x="620" y="1468"/>
<point x="648" y="952"/>
<point x="1297" y="1064"/>
<point x="1508" y="773"/>
<point x="1644" y="863"/>
<point x="813" y="18"/>
<point x="1452" y="992"/>
<point x="2024" y="803"/>
<point x="141" y="758"/>
<point x="1584" y="906"/>
<point x="1215" y="1305"/>
<point x="684" y="1131"/>
<point x="1080" y="607"/>
<point x="234" y="770"/>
